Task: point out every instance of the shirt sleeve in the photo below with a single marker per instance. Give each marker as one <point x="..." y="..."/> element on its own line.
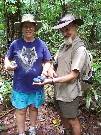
<point x="79" y="59"/>
<point x="10" y="52"/>
<point x="46" y="54"/>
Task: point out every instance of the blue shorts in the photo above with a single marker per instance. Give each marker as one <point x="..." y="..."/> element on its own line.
<point x="22" y="100"/>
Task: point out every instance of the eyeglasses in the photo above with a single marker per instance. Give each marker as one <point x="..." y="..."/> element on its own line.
<point x="28" y="27"/>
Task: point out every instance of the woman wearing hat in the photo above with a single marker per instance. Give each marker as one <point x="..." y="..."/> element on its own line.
<point x="29" y="53"/>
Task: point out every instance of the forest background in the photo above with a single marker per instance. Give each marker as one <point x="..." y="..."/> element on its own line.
<point x="49" y="12"/>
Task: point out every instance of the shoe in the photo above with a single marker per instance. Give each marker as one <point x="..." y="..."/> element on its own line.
<point x="23" y="133"/>
<point x="67" y="132"/>
<point x="32" y="132"/>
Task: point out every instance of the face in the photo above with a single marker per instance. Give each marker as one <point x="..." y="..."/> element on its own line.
<point x="28" y="29"/>
<point x="69" y="32"/>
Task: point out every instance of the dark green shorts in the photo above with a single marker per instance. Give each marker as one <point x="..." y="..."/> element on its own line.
<point x="68" y="109"/>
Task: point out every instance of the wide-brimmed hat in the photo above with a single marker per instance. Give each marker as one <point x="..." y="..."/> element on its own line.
<point x="28" y="18"/>
<point x="67" y="19"/>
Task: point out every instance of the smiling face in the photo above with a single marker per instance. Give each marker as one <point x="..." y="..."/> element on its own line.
<point x="69" y="32"/>
<point x="28" y="29"/>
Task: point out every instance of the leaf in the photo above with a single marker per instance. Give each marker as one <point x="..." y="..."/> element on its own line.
<point x="88" y="100"/>
<point x="85" y="93"/>
<point x="95" y="94"/>
<point x="1" y="26"/>
<point x="2" y="128"/>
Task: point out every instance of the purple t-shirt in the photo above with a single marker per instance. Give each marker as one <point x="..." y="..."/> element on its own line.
<point x="29" y="57"/>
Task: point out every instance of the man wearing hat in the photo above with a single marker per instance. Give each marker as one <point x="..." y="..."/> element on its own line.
<point x="67" y="87"/>
<point x="29" y="53"/>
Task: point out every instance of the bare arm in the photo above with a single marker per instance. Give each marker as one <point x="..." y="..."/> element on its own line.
<point x="63" y="79"/>
<point x="51" y="72"/>
<point x="8" y="65"/>
<point x="67" y="78"/>
<point x="46" y="68"/>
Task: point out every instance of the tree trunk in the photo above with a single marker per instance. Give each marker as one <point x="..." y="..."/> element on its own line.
<point x="10" y="18"/>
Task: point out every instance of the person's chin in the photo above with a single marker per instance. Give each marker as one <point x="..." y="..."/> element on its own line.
<point x="68" y="41"/>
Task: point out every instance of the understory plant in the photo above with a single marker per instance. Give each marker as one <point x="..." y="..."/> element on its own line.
<point x="5" y="90"/>
<point x="93" y="96"/>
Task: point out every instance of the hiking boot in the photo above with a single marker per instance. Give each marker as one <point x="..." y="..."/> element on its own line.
<point x="32" y="132"/>
<point x="67" y="132"/>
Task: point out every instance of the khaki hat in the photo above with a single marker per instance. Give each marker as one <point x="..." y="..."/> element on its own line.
<point x="67" y="19"/>
<point x="27" y="18"/>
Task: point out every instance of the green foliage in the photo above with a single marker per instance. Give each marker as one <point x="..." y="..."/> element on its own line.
<point x="2" y="23"/>
<point x="2" y="128"/>
<point x="5" y="89"/>
<point x="89" y="11"/>
<point x="49" y="12"/>
<point x="49" y="93"/>
<point x="93" y="97"/>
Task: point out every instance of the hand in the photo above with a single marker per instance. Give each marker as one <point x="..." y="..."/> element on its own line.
<point x="52" y="73"/>
<point x="11" y="67"/>
<point x="44" y="73"/>
<point x="46" y="81"/>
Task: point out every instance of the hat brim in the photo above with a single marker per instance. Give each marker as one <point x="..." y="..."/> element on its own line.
<point x="79" y="22"/>
<point x="17" y="25"/>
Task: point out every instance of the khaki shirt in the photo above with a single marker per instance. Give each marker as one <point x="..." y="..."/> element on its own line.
<point x="70" y="90"/>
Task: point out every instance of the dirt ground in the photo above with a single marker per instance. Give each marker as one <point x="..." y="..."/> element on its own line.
<point x="48" y="122"/>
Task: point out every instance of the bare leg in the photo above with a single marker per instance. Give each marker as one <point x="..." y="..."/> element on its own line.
<point x="33" y="113"/>
<point x="71" y="124"/>
<point x="64" y="121"/>
<point x="66" y="124"/>
<point x="20" y="118"/>
<point x="75" y="126"/>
